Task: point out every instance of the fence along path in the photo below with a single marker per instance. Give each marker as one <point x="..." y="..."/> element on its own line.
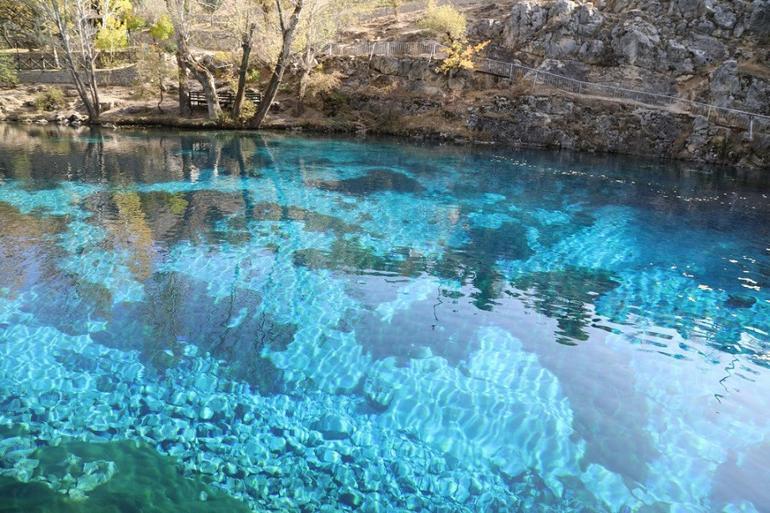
<point x="741" y="119"/>
<point x="42" y="61"/>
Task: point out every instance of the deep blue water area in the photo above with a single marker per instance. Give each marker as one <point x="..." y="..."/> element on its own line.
<point x="296" y="324"/>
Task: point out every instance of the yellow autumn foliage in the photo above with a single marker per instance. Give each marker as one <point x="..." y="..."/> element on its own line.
<point x="460" y="56"/>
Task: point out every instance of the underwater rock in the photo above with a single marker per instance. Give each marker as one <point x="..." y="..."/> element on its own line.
<point x="735" y="301"/>
<point x="15" y="448"/>
<point x="334" y="427"/>
<point x="447" y="487"/>
<point x="328" y="456"/>
<point x="95" y="473"/>
<point x="466" y="415"/>
<point x="351" y="498"/>
<point x="277" y="444"/>
<point x="375" y="180"/>
<point x="205" y="383"/>
<point x="206" y="413"/>
<point x="24" y="468"/>
<point x="208" y="464"/>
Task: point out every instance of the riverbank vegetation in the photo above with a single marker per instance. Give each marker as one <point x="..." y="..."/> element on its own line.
<point x="231" y="55"/>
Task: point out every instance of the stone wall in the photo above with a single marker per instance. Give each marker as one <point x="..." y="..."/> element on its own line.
<point x="124" y="76"/>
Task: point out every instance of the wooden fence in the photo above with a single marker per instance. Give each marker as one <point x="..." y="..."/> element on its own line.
<point x="37" y="61"/>
<point x="226" y="99"/>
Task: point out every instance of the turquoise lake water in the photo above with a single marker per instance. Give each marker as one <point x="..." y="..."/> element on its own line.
<point x="223" y="322"/>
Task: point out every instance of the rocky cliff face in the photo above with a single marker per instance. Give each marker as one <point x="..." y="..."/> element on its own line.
<point x="716" y="51"/>
<point x="712" y="51"/>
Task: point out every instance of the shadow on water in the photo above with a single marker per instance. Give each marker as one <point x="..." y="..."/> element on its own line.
<point x="181" y="311"/>
<point x="147" y="222"/>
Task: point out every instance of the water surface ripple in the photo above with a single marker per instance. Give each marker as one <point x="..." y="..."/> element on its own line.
<point x="307" y="324"/>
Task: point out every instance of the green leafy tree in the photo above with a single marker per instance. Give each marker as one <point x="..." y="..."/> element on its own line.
<point x="113" y="32"/>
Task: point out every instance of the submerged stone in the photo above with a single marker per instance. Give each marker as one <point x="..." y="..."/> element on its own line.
<point x="375" y="180"/>
<point x="328" y="456"/>
<point x="334" y="427"/>
<point x="78" y="477"/>
<point x="351" y="498"/>
<point x="736" y="301"/>
<point x="277" y="444"/>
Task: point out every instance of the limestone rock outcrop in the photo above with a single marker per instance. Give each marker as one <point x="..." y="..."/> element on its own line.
<point x="695" y="53"/>
<point x="651" y="41"/>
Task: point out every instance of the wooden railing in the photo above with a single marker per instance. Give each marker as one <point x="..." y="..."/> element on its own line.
<point x="226" y="99"/>
<point x="37" y="61"/>
<point x="31" y="61"/>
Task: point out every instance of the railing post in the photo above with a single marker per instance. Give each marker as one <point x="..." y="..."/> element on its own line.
<point x="751" y="128"/>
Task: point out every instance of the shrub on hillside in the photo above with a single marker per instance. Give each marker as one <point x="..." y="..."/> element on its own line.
<point x="8" y="76"/>
<point x="460" y="57"/>
<point x="451" y="26"/>
<point x="336" y="103"/>
<point x="50" y="99"/>
<point x="446" y="22"/>
<point x="248" y="110"/>
<point x="322" y="83"/>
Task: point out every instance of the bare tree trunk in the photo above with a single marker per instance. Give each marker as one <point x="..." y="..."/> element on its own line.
<point x="88" y="92"/>
<point x="287" y="31"/>
<point x="205" y="78"/>
<point x="179" y="11"/>
<point x="184" y="90"/>
<point x="94" y="91"/>
<point x="243" y="70"/>
<point x="161" y="87"/>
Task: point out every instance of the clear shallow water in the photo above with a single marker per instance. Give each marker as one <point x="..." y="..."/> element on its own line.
<point x="319" y="325"/>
